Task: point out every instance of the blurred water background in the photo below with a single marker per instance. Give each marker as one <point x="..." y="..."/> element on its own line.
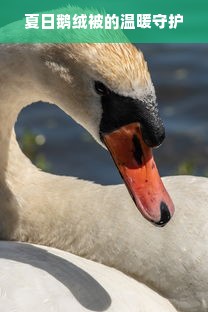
<point x="180" y="75"/>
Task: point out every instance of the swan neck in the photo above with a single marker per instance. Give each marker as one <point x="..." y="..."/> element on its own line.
<point x="20" y="85"/>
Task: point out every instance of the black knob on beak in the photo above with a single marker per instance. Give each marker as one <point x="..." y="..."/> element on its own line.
<point x="153" y="134"/>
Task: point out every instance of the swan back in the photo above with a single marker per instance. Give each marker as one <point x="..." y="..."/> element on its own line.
<point x="37" y="278"/>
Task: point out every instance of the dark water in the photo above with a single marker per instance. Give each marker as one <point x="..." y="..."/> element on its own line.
<point x="180" y="76"/>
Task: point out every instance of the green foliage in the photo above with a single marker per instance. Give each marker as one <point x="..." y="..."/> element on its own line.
<point x="189" y="167"/>
<point x="186" y="167"/>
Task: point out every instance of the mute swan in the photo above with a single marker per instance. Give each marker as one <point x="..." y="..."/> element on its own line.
<point x="37" y="278"/>
<point x="90" y="220"/>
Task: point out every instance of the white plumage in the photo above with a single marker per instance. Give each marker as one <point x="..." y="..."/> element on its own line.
<point x="44" y="279"/>
<point x="93" y="221"/>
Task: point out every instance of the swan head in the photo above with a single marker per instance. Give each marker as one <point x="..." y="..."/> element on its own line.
<point x="112" y="96"/>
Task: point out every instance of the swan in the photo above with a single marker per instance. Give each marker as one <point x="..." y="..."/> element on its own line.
<point x="98" y="222"/>
<point x="38" y="278"/>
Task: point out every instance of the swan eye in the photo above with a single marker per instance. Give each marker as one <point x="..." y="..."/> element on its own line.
<point x="100" y="88"/>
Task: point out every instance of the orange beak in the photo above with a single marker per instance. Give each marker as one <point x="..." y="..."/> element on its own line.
<point x="136" y="165"/>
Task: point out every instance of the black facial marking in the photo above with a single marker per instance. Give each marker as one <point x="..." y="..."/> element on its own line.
<point x="165" y="215"/>
<point x="137" y="150"/>
<point x="119" y="111"/>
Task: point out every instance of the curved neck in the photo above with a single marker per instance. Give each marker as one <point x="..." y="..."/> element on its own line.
<point x="29" y="73"/>
<point x="35" y="206"/>
<point x="50" y="73"/>
<point x="29" y="197"/>
<point x="19" y="87"/>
